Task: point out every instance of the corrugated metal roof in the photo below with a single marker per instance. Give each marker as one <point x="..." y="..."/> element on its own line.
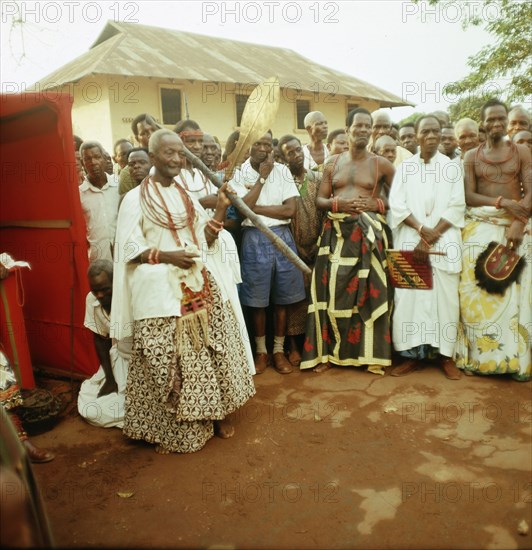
<point x="128" y="49"/>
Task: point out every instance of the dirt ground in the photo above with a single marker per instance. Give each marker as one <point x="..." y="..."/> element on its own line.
<point x="340" y="459"/>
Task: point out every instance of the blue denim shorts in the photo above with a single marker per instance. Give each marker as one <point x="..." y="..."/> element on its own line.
<point x="266" y="272"/>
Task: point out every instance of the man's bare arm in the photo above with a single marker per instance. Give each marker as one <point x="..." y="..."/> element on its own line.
<point x="525" y="158"/>
<point x="323" y="199"/>
<point x="103" y="346"/>
<point x="470" y="182"/>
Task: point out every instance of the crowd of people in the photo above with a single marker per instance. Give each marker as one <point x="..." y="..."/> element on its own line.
<point x="180" y="278"/>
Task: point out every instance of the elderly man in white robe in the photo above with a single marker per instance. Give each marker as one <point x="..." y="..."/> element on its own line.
<point x="191" y="364"/>
<point x="427" y="208"/>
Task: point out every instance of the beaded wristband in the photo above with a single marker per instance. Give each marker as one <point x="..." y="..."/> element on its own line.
<point x="153" y="257"/>
<point x="216" y="222"/>
<point x="211" y="232"/>
<point x="498" y="201"/>
<point x="214" y="228"/>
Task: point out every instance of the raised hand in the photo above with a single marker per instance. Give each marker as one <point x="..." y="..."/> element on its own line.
<point x="223" y="195"/>
<point x="266" y="166"/>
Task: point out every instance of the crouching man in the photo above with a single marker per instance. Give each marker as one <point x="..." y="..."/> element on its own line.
<point x="101" y="398"/>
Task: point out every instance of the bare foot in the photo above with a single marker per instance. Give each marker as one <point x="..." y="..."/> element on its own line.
<point x="294" y="358"/>
<point x="223" y="429"/>
<point x="322" y="368"/>
<point x="161" y="450"/>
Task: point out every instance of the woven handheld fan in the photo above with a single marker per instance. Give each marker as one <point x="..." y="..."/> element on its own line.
<point x="258" y="117"/>
<point x="497" y="267"/>
<point x="405" y="272"/>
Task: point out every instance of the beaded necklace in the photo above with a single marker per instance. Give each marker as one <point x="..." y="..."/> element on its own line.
<point x="156" y="210"/>
<point x="480" y="156"/>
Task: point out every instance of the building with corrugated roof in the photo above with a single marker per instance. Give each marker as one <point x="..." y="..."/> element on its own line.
<point x="132" y="69"/>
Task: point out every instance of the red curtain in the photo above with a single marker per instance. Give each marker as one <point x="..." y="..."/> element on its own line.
<point x="41" y="222"/>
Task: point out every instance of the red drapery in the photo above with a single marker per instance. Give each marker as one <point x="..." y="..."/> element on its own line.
<point x="41" y="222"/>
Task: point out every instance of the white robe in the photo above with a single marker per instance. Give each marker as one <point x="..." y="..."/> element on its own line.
<point x="430" y="192"/>
<point x="151" y="291"/>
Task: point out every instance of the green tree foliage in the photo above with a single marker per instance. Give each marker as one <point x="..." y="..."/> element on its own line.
<point x="469" y="106"/>
<point x="506" y="60"/>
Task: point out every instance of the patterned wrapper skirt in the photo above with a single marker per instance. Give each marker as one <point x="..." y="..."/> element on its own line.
<point x="495" y="330"/>
<point x="348" y="320"/>
<point x="172" y="400"/>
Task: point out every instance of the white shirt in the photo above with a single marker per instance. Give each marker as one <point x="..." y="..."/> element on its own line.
<point x="98" y="321"/>
<point x="310" y="163"/>
<point x="279" y="186"/>
<point x="96" y="318"/>
<point x="100" y="208"/>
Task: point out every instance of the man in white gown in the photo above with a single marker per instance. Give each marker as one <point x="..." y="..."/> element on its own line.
<point x="427" y="208"/>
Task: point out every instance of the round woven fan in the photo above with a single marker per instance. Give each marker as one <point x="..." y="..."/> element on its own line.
<point x="258" y="117"/>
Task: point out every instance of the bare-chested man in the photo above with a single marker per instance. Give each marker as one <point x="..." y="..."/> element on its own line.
<point x="496" y="328"/>
<point x="316" y="152"/>
<point x="348" y="321"/>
